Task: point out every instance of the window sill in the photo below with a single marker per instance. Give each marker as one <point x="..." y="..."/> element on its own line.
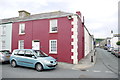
<point x="54" y="32"/>
<point x="22" y="34"/>
<point x="52" y="52"/>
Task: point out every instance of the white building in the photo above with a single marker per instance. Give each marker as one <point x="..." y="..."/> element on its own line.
<point x="114" y="40"/>
<point x="5" y="36"/>
<point x="89" y="42"/>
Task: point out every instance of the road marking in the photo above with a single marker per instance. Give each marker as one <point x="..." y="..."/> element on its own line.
<point x="79" y="69"/>
<point x="75" y="69"/>
<point x="87" y="70"/>
<point x="108" y="71"/>
<point x="96" y="71"/>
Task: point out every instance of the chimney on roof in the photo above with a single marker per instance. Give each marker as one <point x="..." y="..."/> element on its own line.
<point x="23" y="13"/>
<point x="78" y="13"/>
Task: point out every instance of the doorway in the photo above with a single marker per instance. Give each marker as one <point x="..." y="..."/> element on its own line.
<point x="36" y="44"/>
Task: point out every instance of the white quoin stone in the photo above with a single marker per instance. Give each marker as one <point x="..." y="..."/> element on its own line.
<point x="75" y="40"/>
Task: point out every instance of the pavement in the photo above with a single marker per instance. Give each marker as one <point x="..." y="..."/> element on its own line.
<point x="87" y="62"/>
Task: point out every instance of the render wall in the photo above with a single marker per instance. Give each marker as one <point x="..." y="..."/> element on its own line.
<point x="39" y="30"/>
<point x="7" y="37"/>
<point x="88" y="42"/>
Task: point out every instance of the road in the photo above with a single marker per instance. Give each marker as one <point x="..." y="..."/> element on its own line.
<point x="106" y="67"/>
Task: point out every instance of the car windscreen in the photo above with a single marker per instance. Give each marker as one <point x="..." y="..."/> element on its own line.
<point x="39" y="53"/>
<point x="5" y="52"/>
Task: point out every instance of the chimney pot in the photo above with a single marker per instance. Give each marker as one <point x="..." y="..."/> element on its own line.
<point x="78" y="13"/>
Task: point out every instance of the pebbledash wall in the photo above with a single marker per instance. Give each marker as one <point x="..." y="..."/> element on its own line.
<point x="70" y="36"/>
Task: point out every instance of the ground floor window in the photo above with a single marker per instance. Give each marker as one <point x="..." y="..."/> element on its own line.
<point x="3" y="44"/>
<point x="53" y="46"/>
<point x="21" y="44"/>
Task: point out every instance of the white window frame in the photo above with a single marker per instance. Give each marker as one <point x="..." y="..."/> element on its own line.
<point x="3" y="44"/>
<point x="20" y="46"/>
<point x="53" y="24"/>
<point x="50" y="47"/>
<point x="3" y="30"/>
<point x="21" y="28"/>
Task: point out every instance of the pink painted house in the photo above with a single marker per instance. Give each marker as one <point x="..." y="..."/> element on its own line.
<point x="59" y="34"/>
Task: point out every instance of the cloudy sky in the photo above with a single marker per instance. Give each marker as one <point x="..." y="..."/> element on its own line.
<point x="101" y="16"/>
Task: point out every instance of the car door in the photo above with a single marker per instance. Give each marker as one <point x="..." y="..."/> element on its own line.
<point x="20" y="57"/>
<point x="29" y="58"/>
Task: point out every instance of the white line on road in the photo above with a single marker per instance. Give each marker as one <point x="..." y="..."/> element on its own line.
<point x="75" y="69"/>
<point x="108" y="71"/>
<point x="96" y="71"/>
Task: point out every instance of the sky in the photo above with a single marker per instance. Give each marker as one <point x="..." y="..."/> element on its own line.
<point x="101" y="16"/>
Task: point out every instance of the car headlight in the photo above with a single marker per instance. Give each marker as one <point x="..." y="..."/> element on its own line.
<point x="46" y="61"/>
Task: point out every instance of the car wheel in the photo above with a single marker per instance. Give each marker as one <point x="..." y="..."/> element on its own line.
<point x="13" y="64"/>
<point x="38" y="67"/>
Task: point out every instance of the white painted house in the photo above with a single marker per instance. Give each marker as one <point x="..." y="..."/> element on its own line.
<point x="5" y="36"/>
<point x="114" y="40"/>
<point x="89" y="42"/>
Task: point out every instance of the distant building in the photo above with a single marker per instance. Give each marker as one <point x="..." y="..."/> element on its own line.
<point x="114" y="40"/>
<point x="106" y="42"/>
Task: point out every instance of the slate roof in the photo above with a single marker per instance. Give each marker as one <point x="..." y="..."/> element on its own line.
<point x="48" y="15"/>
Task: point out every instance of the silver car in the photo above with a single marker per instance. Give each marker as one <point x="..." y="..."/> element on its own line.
<point x="110" y="49"/>
<point x="4" y="55"/>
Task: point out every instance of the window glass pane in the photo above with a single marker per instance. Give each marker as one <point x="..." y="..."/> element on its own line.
<point x="53" y="47"/>
<point x="3" y="30"/>
<point x="21" y="53"/>
<point x="3" y="44"/>
<point x="28" y="53"/>
<point x="53" y="25"/>
<point x="21" y="28"/>
<point x="21" y="44"/>
<point x="15" y="52"/>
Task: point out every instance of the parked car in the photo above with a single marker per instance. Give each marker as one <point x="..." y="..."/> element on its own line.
<point x="32" y="58"/>
<point x="5" y="55"/>
<point x="105" y="47"/>
<point x="117" y="53"/>
<point x="114" y="50"/>
<point x="110" y="49"/>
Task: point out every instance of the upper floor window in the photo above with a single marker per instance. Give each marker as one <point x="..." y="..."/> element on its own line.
<point x="22" y="28"/>
<point x="3" y="30"/>
<point x="53" y="26"/>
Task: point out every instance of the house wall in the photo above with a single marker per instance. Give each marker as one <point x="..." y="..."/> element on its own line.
<point x="89" y="46"/>
<point x="77" y="39"/>
<point x="74" y="38"/>
<point x="7" y="37"/>
<point x="80" y="39"/>
<point x="39" y="30"/>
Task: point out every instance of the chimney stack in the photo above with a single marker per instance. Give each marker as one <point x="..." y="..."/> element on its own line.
<point x="23" y="13"/>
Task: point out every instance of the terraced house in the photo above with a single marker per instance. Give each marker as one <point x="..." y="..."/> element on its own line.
<point x="5" y="35"/>
<point x="59" y="34"/>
